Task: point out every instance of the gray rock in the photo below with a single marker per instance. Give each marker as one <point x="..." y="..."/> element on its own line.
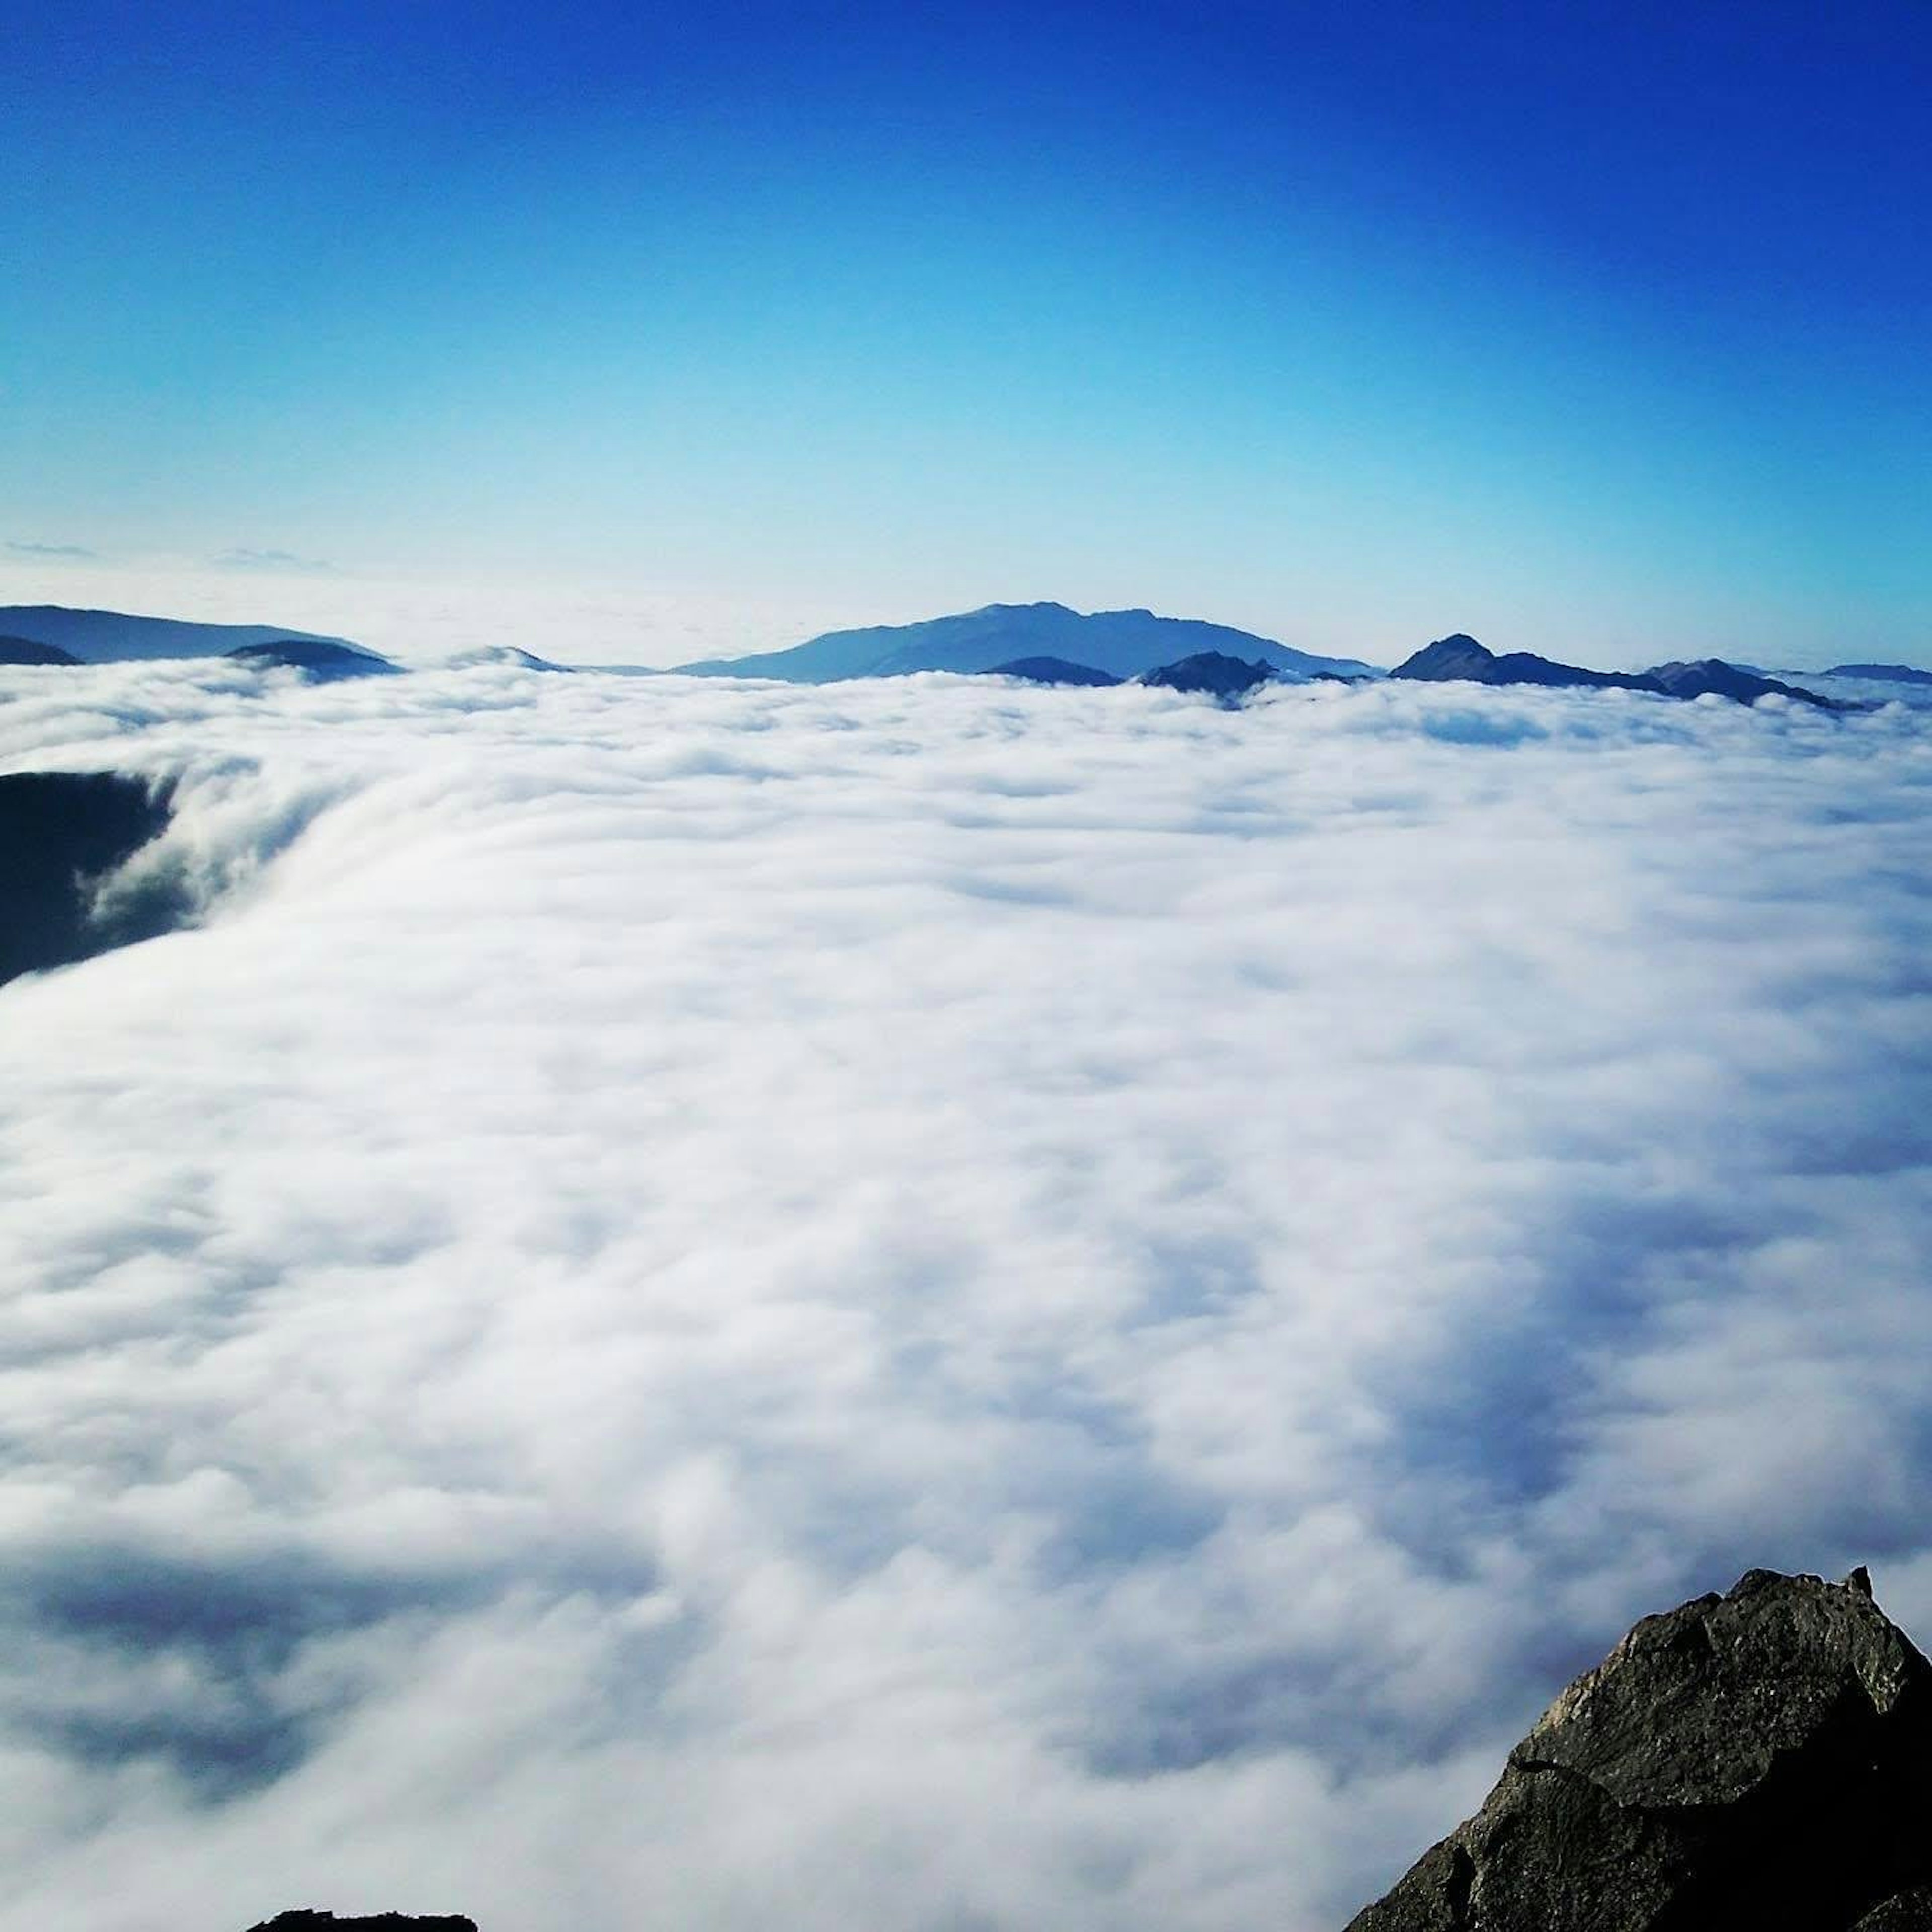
<point x="1761" y="1758"/>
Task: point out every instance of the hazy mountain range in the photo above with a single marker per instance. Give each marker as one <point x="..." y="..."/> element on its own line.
<point x="1124" y="643"/>
<point x="114" y="637"/>
<point x="1044" y="644"/>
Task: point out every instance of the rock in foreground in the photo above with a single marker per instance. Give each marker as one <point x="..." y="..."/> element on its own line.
<point x="1759" y="1759"/>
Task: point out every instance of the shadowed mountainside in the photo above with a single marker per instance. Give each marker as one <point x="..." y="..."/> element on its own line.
<point x="1054" y="670"/>
<point x="26" y="651"/>
<point x="1761" y="1758"/>
<point x="61" y="832"/>
<point x="320" y="662"/>
<point x="1211" y="671"/>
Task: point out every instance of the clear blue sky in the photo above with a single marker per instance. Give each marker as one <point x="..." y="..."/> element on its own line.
<point x="1603" y="328"/>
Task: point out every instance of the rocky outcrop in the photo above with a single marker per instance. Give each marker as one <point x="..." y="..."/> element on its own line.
<point x="306" y="1920"/>
<point x="1759" y="1759"/>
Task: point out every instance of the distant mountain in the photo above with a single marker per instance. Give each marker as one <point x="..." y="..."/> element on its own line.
<point x="112" y="636"/>
<point x="318" y="660"/>
<point x="1706" y="676"/>
<point x="1054" y="670"/>
<point x="509" y="655"/>
<point x="26" y="651"/>
<point x="1460" y="659"/>
<point x="1211" y="671"/>
<point x="60" y="831"/>
<point x="1123" y="643"/>
<point x="1882" y="674"/>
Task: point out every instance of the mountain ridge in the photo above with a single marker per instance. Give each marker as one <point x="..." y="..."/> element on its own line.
<point x="1460" y="658"/>
<point x="1123" y="643"/>
<point x="120" y="637"/>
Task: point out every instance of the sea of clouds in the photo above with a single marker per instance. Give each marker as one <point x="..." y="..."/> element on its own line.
<point x="926" y="1305"/>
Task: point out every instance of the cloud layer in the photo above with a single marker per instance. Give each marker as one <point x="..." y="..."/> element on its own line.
<point x="925" y="1305"/>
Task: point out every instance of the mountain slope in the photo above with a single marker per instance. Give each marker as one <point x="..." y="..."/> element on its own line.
<point x="1054" y="670"/>
<point x="1122" y="643"/>
<point x="60" y="832"/>
<point x="321" y="661"/>
<point x="113" y="636"/>
<point x="26" y="651"/>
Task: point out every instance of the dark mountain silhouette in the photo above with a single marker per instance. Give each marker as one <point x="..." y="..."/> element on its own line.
<point x="60" y="833"/>
<point x="1705" y="675"/>
<point x="318" y="660"/>
<point x="1460" y="658"/>
<point x="1054" y="670"/>
<point x="1759" y="1759"/>
<point x="1212" y="671"/>
<point x="111" y="636"/>
<point x="26" y="651"/>
<point x="308" y="1920"/>
<point x="1882" y="674"/>
<point x="1123" y="643"/>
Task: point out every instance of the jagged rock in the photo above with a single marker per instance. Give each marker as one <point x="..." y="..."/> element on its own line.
<point x="307" y="1920"/>
<point x="1762" y="1759"/>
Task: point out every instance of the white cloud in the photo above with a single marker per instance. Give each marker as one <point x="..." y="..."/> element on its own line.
<point x="924" y="1305"/>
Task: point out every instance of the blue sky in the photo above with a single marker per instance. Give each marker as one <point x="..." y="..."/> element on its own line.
<point x="1588" y="329"/>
